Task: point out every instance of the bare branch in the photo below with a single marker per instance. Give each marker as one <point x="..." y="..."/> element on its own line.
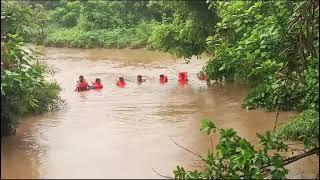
<point x="275" y="123"/>
<point x="168" y="177"/>
<point x="296" y="158"/>
<point x="294" y="22"/>
<point x="211" y="143"/>
<point x="196" y="154"/>
<point x="300" y="156"/>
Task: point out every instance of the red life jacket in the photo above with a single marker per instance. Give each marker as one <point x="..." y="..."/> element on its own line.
<point x="164" y="79"/>
<point x="82" y="86"/>
<point x="183" y="82"/>
<point x="97" y="86"/>
<point x="121" y="84"/>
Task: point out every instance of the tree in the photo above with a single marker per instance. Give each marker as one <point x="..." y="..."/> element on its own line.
<point x="29" y="22"/>
<point x="23" y="85"/>
<point x="272" y="46"/>
<point x="184" y="28"/>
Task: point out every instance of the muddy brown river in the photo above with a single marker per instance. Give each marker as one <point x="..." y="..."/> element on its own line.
<point x="124" y="133"/>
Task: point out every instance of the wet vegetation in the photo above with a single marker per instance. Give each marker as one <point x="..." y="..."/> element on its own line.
<point x="24" y="88"/>
<point x="272" y="46"/>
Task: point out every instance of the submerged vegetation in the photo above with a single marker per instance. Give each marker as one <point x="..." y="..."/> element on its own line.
<point x="271" y="45"/>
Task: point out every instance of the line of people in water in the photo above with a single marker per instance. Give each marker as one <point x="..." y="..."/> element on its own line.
<point x="83" y="85"/>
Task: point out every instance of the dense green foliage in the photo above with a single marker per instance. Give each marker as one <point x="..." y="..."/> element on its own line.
<point x="117" y="38"/>
<point x="24" y="88"/>
<point x="184" y="28"/>
<point x="273" y="45"/>
<point x="178" y="27"/>
<point x="305" y="128"/>
<point x="135" y="24"/>
<point x="29" y="22"/>
<point x="109" y="24"/>
<point x="23" y="85"/>
<point x="66" y="16"/>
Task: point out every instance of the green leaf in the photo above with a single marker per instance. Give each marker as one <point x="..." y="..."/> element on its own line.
<point x="207" y="126"/>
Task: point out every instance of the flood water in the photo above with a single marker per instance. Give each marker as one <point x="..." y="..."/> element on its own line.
<point x="124" y="133"/>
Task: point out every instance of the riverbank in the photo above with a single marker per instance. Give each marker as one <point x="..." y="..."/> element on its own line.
<point x="134" y="37"/>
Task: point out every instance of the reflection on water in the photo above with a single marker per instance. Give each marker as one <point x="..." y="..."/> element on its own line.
<point x="125" y="132"/>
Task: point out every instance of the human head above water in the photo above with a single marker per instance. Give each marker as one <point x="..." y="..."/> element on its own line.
<point x="121" y="79"/>
<point x="98" y="80"/>
<point x="139" y="78"/>
<point x="181" y="75"/>
<point x="161" y="76"/>
<point x="81" y="79"/>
